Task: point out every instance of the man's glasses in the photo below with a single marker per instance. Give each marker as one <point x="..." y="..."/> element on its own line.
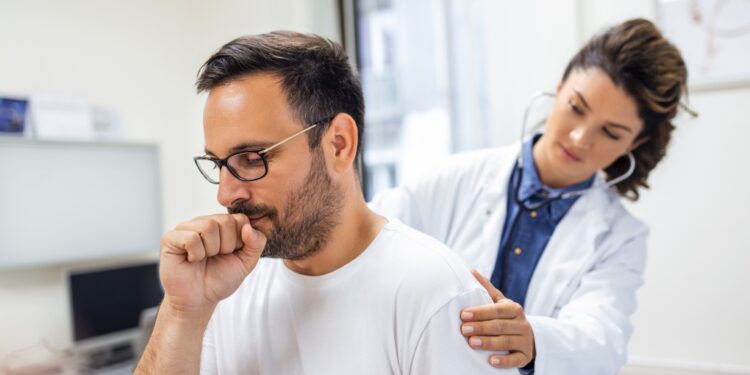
<point x="246" y="165"/>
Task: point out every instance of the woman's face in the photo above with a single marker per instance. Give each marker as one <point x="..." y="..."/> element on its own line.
<point x="593" y="123"/>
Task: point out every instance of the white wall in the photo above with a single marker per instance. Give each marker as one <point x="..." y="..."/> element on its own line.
<point x="528" y="44"/>
<point x="695" y="305"/>
<point x="139" y="58"/>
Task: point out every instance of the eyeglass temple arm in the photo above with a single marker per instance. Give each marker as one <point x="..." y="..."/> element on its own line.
<point x="287" y="139"/>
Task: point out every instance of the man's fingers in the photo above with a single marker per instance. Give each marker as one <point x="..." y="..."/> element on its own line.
<point x="184" y="243"/>
<point x="503" y="309"/>
<point x="240" y="220"/>
<point x="208" y="230"/>
<point x="253" y="244"/>
<point x="496" y="294"/>
<point x="230" y="234"/>
<point x="493" y="327"/>
<point x="512" y="360"/>
<point x="497" y="343"/>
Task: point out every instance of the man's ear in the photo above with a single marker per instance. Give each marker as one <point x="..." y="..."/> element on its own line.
<point x="341" y="141"/>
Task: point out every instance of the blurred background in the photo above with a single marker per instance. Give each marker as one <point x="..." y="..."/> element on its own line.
<point x="99" y="121"/>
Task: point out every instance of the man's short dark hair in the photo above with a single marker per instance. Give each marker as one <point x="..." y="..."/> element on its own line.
<point x="314" y="71"/>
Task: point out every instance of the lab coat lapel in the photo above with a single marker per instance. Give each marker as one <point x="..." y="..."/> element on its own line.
<point x="494" y="198"/>
<point x="568" y="254"/>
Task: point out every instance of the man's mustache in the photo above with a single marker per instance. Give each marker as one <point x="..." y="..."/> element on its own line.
<point x="252" y="210"/>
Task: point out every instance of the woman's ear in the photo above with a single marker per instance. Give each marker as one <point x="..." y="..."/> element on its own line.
<point x="342" y="141"/>
<point x="637" y="143"/>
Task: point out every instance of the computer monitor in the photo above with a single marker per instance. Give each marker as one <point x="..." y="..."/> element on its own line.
<point x="106" y="304"/>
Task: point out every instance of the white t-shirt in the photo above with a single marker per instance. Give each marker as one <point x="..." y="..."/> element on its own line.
<point x="393" y="310"/>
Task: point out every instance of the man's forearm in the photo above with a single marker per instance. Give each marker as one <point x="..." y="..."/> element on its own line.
<point x="176" y="342"/>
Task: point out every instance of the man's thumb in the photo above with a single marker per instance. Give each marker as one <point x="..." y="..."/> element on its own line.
<point x="253" y="243"/>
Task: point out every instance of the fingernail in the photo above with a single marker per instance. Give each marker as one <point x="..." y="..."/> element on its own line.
<point x="495" y="361"/>
<point x="467" y="315"/>
<point x="475" y="341"/>
<point x="467" y="329"/>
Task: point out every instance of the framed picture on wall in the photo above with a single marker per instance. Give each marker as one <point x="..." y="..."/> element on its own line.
<point x="13" y="116"/>
<point x="714" y="37"/>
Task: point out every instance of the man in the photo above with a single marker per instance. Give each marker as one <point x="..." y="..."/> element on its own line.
<point x="340" y="290"/>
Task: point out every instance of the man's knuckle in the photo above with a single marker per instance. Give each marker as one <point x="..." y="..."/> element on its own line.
<point x="214" y="227"/>
<point x="225" y="221"/>
<point x="192" y="238"/>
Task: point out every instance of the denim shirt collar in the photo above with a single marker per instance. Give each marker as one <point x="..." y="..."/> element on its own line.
<point x="533" y="190"/>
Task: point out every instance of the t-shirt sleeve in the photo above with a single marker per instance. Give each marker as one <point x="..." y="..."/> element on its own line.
<point x="208" y="352"/>
<point x="442" y="349"/>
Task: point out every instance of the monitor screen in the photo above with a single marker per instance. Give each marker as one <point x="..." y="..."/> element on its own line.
<point x="111" y="300"/>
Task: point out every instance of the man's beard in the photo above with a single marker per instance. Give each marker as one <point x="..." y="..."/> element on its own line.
<point x="312" y="211"/>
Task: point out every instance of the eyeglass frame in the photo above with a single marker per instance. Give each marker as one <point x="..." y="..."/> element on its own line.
<point x="262" y="153"/>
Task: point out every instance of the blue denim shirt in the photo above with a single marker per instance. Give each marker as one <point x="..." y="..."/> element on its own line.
<point x="534" y="228"/>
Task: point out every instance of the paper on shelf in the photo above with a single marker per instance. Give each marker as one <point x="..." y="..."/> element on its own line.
<point x="61" y="117"/>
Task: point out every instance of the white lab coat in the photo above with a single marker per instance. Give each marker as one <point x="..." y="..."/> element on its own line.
<point x="583" y="289"/>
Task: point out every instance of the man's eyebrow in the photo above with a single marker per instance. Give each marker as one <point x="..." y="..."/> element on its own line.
<point x="247" y="146"/>
<point x="585" y="103"/>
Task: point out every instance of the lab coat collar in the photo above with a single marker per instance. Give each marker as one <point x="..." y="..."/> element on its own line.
<point x="571" y="245"/>
<point x="493" y="198"/>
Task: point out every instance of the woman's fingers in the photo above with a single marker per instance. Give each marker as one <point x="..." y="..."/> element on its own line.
<point x="511" y="360"/>
<point x="503" y="309"/>
<point x="494" y="292"/>
<point x="494" y="327"/>
<point x="496" y="343"/>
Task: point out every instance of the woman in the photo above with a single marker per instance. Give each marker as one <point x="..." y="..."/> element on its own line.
<point x="567" y="266"/>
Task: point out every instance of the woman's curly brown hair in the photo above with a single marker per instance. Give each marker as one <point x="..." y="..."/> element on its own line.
<point x="637" y="58"/>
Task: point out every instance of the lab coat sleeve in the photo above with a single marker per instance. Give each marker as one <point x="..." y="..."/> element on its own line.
<point x="429" y="204"/>
<point x="400" y="203"/>
<point x="442" y="349"/>
<point x="589" y="334"/>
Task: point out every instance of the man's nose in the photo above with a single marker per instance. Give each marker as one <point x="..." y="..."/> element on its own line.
<point x="231" y="189"/>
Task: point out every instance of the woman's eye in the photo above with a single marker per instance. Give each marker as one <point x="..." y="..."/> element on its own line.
<point x="611" y="135"/>
<point x="575" y="108"/>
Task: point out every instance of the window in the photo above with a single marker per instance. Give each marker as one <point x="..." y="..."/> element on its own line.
<point x="422" y="65"/>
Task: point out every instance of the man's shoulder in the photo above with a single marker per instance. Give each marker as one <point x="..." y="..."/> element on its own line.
<point x="425" y="265"/>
